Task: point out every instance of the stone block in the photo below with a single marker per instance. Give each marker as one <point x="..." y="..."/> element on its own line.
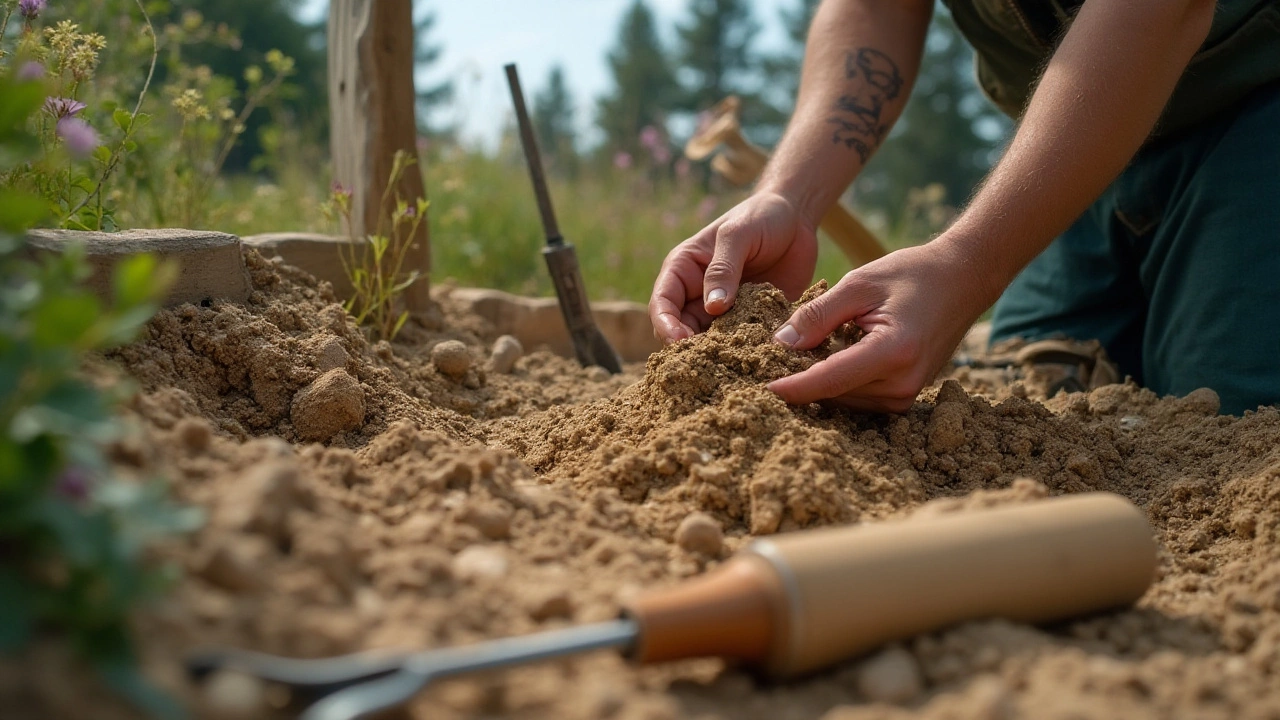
<point x="537" y="321"/>
<point x="210" y="265"/>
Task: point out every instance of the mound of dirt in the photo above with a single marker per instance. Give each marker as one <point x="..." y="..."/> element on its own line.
<point x="476" y="504"/>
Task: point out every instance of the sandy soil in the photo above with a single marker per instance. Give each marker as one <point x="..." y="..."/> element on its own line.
<point x="413" y="495"/>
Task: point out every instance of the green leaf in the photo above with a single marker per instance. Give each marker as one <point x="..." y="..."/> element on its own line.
<point x="64" y="319"/>
<point x="123" y="119"/>
<point x="131" y="281"/>
<point x="19" y="210"/>
<point x="102" y="154"/>
<point x="399" y="324"/>
<point x="20" y="100"/>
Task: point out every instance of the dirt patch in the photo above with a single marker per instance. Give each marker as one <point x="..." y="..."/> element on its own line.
<point x="469" y="504"/>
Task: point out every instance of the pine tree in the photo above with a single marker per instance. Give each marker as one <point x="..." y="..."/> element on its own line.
<point x="717" y="59"/>
<point x="782" y="71"/>
<point x="644" y="87"/>
<point x="553" y="121"/>
<point x="425" y="55"/>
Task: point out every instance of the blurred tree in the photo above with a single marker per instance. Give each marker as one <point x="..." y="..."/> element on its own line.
<point x="260" y="25"/>
<point x="433" y="97"/>
<point x="553" y="121"/>
<point x="716" y="58"/>
<point x="948" y="133"/>
<point x="782" y="70"/>
<point x="644" y="87"/>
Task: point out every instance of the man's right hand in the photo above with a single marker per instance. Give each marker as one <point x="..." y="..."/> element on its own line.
<point x="762" y="239"/>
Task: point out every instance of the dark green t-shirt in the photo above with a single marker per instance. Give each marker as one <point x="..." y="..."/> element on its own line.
<point x="1014" y="39"/>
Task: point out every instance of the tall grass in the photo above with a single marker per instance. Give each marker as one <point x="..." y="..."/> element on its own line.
<point x="485" y="229"/>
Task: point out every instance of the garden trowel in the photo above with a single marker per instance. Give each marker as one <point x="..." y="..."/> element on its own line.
<point x="589" y="343"/>
<point x="793" y="603"/>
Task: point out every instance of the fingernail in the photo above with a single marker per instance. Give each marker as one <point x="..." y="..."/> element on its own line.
<point x="787" y="336"/>
<point x="716" y="295"/>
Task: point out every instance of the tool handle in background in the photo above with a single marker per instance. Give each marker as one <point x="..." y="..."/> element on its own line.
<point x="533" y="158"/>
<point x="801" y="601"/>
<point x="590" y="345"/>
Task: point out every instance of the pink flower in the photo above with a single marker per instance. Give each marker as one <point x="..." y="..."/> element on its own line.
<point x="79" y="137"/>
<point x="340" y="190"/>
<point x="63" y="107"/>
<point x="661" y="154"/>
<point x="30" y="9"/>
<point x="30" y="70"/>
<point x="650" y="137"/>
<point x="683" y="168"/>
<point x="622" y="160"/>
<point x="74" y="484"/>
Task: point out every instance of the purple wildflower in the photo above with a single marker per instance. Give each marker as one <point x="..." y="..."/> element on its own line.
<point x="74" y="484"/>
<point x="411" y="212"/>
<point x="79" y="137"/>
<point x="622" y="160"/>
<point x="30" y="71"/>
<point x="63" y="107"/>
<point x="31" y="9"/>
<point x="650" y="137"/>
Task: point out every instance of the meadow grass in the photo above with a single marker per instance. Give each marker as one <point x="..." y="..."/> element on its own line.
<point x="485" y="228"/>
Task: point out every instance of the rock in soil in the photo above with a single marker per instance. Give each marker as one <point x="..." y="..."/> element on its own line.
<point x="452" y="358"/>
<point x="333" y="404"/>
<point x="507" y="350"/>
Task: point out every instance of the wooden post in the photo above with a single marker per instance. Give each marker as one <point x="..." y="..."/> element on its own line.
<point x="371" y="106"/>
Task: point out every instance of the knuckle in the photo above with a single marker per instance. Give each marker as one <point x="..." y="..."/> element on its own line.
<point x="812" y="315"/>
<point x="720" y="268"/>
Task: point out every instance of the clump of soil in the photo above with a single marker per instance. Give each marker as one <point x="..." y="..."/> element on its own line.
<point x="474" y="504"/>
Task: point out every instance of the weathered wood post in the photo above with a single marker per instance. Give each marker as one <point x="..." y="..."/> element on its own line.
<point x="371" y="106"/>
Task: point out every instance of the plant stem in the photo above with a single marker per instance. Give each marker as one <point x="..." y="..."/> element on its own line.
<point x="118" y="154"/>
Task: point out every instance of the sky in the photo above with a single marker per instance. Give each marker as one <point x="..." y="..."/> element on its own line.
<point x="478" y="37"/>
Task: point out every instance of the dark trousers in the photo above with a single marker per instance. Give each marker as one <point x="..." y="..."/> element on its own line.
<point x="1176" y="267"/>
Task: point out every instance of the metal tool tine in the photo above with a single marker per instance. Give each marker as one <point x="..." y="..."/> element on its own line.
<point x="313" y="678"/>
<point x="417" y="670"/>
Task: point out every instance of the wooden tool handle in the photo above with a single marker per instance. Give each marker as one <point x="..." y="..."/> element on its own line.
<point x="853" y="238"/>
<point x="798" y="602"/>
<point x="852" y="589"/>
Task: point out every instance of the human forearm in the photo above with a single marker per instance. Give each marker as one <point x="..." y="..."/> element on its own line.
<point x="860" y="63"/>
<point x="1096" y="103"/>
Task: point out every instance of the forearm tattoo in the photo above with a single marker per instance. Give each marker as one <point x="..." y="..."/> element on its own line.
<point x="875" y="81"/>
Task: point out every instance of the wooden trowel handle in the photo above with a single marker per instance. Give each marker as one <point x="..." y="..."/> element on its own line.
<point x="802" y="601"/>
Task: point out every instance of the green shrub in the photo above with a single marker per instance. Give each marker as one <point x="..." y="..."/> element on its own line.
<point x="72" y="530"/>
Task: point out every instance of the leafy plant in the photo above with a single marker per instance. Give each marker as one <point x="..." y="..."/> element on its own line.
<point x="375" y="263"/>
<point x="73" y="531"/>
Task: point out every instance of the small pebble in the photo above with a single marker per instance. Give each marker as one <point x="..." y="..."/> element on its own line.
<point x="479" y="562"/>
<point x="1203" y="401"/>
<point x="231" y="694"/>
<point x="595" y="373"/>
<point x="700" y="533"/>
<point x="194" y="434"/>
<point x="451" y="358"/>
<point x="555" y="604"/>
<point x="492" y="520"/>
<point x="331" y="355"/>
<point x="890" y="676"/>
<point x="507" y="350"/>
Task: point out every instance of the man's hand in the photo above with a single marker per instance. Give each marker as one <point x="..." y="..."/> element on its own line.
<point x="763" y="239"/>
<point x="914" y="306"/>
